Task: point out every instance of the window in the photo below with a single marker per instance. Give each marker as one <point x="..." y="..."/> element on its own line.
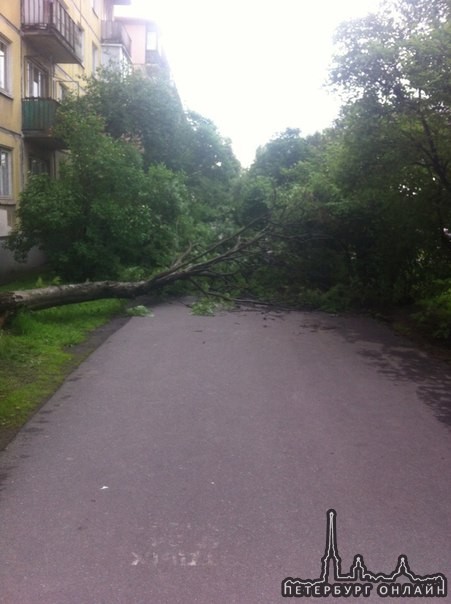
<point x="95" y="58"/>
<point x="151" y="40"/>
<point x="39" y="166"/>
<point x="4" y="65"/>
<point x="11" y="217"/>
<point x="63" y="92"/>
<point x="80" y="43"/>
<point x="38" y="81"/>
<point x="5" y="172"/>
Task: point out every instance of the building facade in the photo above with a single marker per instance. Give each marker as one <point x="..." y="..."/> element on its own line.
<point x="147" y="53"/>
<point x="46" y="48"/>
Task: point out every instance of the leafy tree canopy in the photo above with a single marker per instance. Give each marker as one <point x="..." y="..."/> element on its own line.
<point x="281" y="153"/>
<point x="104" y="211"/>
<point x="360" y="213"/>
<point x="139" y="109"/>
<point x="394" y="68"/>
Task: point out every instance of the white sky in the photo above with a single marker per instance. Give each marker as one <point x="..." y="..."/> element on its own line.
<point x="255" y="67"/>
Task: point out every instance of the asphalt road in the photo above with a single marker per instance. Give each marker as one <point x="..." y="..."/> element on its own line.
<point x="193" y="460"/>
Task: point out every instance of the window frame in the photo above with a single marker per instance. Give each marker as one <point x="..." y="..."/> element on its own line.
<point x="62" y="92"/>
<point x="6" y="192"/>
<point x="95" y="5"/>
<point x="44" y="82"/>
<point x="5" y="66"/>
<point x="95" y="58"/>
<point x="38" y="165"/>
<point x="152" y="42"/>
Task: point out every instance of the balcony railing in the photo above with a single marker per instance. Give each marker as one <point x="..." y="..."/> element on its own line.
<point x="113" y="32"/>
<point x="55" y="33"/>
<point x="38" y="120"/>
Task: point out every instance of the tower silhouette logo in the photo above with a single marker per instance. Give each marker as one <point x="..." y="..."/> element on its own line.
<point x="360" y="582"/>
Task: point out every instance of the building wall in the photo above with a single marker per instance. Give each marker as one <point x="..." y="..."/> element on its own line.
<point x="10" y="113"/>
<point x="147" y="53"/>
<point x="137" y="32"/>
<point x="21" y="152"/>
<point x="114" y="56"/>
<point x="25" y="153"/>
<point x="9" y="268"/>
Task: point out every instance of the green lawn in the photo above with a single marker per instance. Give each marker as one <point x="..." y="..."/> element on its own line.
<point x="35" y="352"/>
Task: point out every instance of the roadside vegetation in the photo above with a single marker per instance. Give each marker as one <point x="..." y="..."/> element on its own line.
<point x="366" y="204"/>
<point x="35" y="352"/>
<point x="355" y="217"/>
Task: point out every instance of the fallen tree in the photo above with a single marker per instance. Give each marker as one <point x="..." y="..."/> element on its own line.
<point x="187" y="267"/>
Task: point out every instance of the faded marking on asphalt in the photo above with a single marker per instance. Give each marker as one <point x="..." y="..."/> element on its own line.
<point x="171" y="548"/>
<point x="183" y="559"/>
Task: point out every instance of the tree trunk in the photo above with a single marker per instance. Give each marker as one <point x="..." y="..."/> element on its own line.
<point x="197" y="265"/>
<point x="59" y="295"/>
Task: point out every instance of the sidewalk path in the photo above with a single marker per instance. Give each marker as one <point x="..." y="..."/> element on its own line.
<point x="193" y="460"/>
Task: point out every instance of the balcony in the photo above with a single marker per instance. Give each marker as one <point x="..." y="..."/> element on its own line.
<point x="38" y="121"/>
<point x="48" y="26"/>
<point x="113" y="32"/>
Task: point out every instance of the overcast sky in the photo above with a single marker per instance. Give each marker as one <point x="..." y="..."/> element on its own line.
<point x="255" y="67"/>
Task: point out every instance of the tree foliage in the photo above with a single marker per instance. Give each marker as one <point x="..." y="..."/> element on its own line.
<point x="141" y="180"/>
<point x="366" y="205"/>
<point x="396" y="66"/>
<point x="209" y="163"/>
<point x="358" y="214"/>
<point x="281" y="153"/>
<point x="105" y="211"/>
<point x="396" y="141"/>
<point x="146" y="111"/>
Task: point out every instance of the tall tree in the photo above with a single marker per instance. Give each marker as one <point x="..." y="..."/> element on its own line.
<point x="104" y="212"/>
<point x="280" y="154"/>
<point x="140" y="109"/>
<point x="396" y="64"/>
<point x="210" y="167"/>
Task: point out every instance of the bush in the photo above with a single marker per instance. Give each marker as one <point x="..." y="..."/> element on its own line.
<point x="435" y="311"/>
<point x="105" y="212"/>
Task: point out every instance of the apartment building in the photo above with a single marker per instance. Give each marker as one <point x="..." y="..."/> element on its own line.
<point x="147" y="52"/>
<point x="46" y="47"/>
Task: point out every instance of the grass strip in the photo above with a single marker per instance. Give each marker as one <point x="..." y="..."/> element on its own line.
<point x="35" y="352"/>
